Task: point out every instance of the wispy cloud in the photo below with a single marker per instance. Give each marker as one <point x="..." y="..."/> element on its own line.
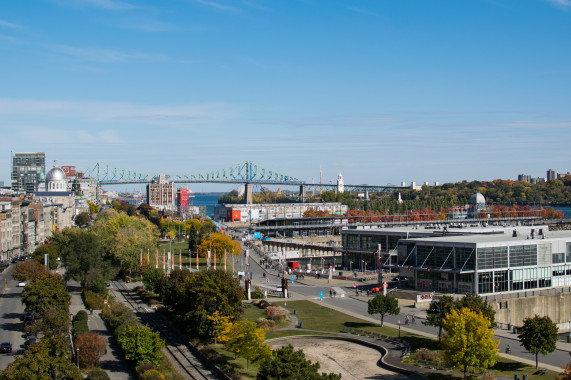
<point x="362" y="11"/>
<point x="216" y="5"/>
<point x="564" y="4"/>
<point x="111" y="5"/>
<point x="109" y="55"/>
<point x="118" y="113"/>
<point x="45" y="135"/>
<point x="6" y="24"/>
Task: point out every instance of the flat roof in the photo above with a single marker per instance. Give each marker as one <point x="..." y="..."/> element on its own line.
<point x="496" y="238"/>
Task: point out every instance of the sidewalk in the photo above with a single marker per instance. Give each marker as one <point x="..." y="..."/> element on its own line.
<point x="113" y="361"/>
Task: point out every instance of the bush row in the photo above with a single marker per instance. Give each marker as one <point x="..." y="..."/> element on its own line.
<point x="79" y="324"/>
<point x="93" y="301"/>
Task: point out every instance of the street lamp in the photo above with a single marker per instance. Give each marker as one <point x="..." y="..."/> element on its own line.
<point x="510" y="321"/>
<point x="77" y="350"/>
<point x="399" y="327"/>
<point x="350" y="266"/>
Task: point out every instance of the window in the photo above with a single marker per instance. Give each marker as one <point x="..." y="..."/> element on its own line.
<point x="516" y="278"/>
<point x="516" y="256"/>
<point x="500" y="257"/>
<point x="544" y="254"/>
<point x="486" y="282"/>
<point x="544" y="277"/>
<point x="568" y="253"/>
<point x="530" y="278"/>
<point x="465" y="258"/>
<point x="501" y="281"/>
<point x="558" y="258"/>
<point x="530" y="255"/>
<point x="485" y="258"/>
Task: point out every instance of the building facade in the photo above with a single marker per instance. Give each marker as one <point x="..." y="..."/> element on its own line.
<point x="260" y="212"/>
<point x="161" y="194"/>
<point x="28" y="171"/>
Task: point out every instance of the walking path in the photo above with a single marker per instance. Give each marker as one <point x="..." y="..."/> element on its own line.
<point x="113" y="362"/>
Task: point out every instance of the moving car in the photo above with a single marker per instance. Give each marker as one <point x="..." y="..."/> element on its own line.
<point x="6" y="347"/>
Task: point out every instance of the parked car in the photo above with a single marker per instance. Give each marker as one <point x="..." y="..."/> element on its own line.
<point x="6" y="347"/>
<point x="399" y="278"/>
<point x="22" y="284"/>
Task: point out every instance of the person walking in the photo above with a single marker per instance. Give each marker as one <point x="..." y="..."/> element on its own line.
<point x="330" y="293"/>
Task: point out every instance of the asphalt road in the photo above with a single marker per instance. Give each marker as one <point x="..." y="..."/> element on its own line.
<point x="11" y="314"/>
<point x="559" y="358"/>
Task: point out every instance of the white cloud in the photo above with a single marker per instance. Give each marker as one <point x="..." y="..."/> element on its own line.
<point x="564" y="4"/>
<point x="109" y="55"/>
<point x="107" y="112"/>
<point x="112" y="5"/>
<point x="216" y="5"/>
<point x="46" y="135"/>
<point x="7" y="24"/>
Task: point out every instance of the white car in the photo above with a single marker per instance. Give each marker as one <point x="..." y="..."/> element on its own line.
<point x="21" y="284"/>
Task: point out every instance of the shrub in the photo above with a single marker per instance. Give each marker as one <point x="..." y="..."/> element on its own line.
<point x="144" y="368"/>
<point x="488" y="376"/>
<point x="152" y="374"/>
<point x="79" y="324"/>
<point x="92" y="346"/>
<point x="257" y="293"/>
<point x="97" y="374"/>
<point x="426" y="354"/>
<point x="264" y="323"/>
<point x="275" y="311"/>
<point x="262" y="304"/>
<point x="118" y="315"/>
<point x="93" y="301"/>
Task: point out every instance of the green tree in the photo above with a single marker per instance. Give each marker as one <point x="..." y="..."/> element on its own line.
<point x="141" y="345"/>
<point x="193" y="239"/>
<point x="468" y="340"/>
<point x="151" y="277"/>
<point x="52" y="250"/>
<point x="478" y="305"/>
<point x="47" y="289"/>
<point x="285" y="363"/>
<point x="81" y="253"/>
<point x="436" y="312"/>
<point x="539" y="335"/>
<point x="82" y="219"/>
<point x="50" y="321"/>
<point x="48" y="359"/>
<point x="245" y="339"/>
<point x="192" y="297"/>
<point x="383" y="305"/>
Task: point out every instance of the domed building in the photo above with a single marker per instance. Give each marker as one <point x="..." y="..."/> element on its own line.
<point x="56" y="180"/>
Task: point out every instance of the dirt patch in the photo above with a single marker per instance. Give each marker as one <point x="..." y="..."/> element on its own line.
<point x="351" y="360"/>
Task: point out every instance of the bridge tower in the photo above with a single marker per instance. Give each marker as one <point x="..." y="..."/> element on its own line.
<point x="340" y="184"/>
<point x="302" y="193"/>
<point x="248" y="199"/>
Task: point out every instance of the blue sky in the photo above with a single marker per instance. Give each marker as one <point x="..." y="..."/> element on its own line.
<point x="382" y="91"/>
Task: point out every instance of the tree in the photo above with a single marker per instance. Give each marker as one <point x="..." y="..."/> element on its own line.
<point x="52" y="250"/>
<point x="141" y="345"/>
<point x="193" y="239"/>
<point x="285" y="363"/>
<point x="50" y="321"/>
<point x="478" y="305"/>
<point x="219" y="243"/>
<point x="27" y="270"/>
<point x="81" y="253"/>
<point x="436" y="312"/>
<point x="246" y="340"/>
<point x="93" y="208"/>
<point x="92" y="346"/>
<point x="82" y="219"/>
<point x="151" y="277"/>
<point x="539" y="335"/>
<point x="383" y="305"/>
<point x="47" y="289"/>
<point x="192" y="297"/>
<point x="48" y="359"/>
<point x="468" y="340"/>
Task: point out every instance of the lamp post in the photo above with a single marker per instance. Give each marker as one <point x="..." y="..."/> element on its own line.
<point x="569" y="330"/>
<point x="350" y="266"/>
<point x="77" y="350"/>
<point x="510" y="321"/>
<point x="399" y="327"/>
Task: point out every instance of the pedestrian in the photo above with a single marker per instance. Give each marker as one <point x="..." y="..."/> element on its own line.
<point x="334" y="294"/>
<point x="356" y="291"/>
<point x="406" y="319"/>
<point x="330" y="293"/>
<point x="413" y="318"/>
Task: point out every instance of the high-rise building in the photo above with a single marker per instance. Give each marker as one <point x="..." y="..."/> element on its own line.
<point x="550" y="175"/>
<point x="28" y="171"/>
<point x="161" y="194"/>
<point x="524" y="177"/>
<point x="182" y="197"/>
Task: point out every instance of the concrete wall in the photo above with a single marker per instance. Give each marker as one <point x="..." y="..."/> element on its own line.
<point x="555" y="306"/>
